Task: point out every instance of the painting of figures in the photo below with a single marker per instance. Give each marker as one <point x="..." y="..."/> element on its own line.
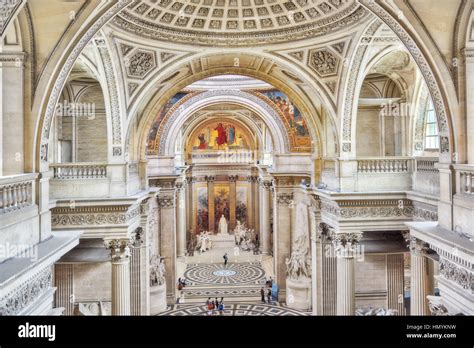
<point x="242" y="204"/>
<point x="222" y="205"/>
<point x="156" y="124"/>
<point x="202" y="209"/>
<point x="221" y="136"/>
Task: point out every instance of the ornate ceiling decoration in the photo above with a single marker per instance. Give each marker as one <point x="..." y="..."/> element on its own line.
<point x="237" y="22"/>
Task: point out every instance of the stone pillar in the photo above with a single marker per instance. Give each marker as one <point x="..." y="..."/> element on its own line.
<point x="420" y="280"/>
<point x="166" y="201"/>
<point x="190" y="216"/>
<point x="139" y="278"/>
<point x="328" y="274"/>
<point x="254" y="206"/>
<point x="469" y="76"/>
<point x="395" y="283"/>
<point x="345" y="246"/>
<point x="12" y="119"/>
<point x="282" y="234"/>
<point x="120" y="253"/>
<point x="64" y="283"/>
<point x="210" y="192"/>
<point x="233" y="201"/>
<point x="265" y="202"/>
<point x="181" y="219"/>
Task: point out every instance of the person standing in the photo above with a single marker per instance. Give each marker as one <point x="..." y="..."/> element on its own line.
<point x="262" y="294"/>
<point x="226" y="259"/>
<point x="269" y="295"/>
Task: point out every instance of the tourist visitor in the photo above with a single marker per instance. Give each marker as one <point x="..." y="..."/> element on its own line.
<point x="226" y="259"/>
<point x="221" y="308"/>
<point x="269" y="295"/>
<point x="262" y="294"/>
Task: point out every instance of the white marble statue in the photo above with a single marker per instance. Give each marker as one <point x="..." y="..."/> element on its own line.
<point x="239" y="233"/>
<point x="299" y="264"/>
<point x="223" y="225"/>
<point x="157" y="271"/>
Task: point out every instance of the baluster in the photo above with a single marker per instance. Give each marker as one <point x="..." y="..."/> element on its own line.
<point x="2" y="195"/>
<point x="469" y="186"/>
<point x="10" y="196"/>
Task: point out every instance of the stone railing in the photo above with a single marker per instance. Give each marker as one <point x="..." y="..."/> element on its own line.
<point x="384" y="165"/>
<point x="465" y="178"/>
<point x="426" y="164"/>
<point x="16" y="192"/>
<point x="74" y="171"/>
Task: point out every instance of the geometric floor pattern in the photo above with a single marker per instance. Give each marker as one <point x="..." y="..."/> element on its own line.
<point x="233" y="309"/>
<point x="218" y="274"/>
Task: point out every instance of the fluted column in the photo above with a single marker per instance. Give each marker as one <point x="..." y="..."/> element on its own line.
<point x="420" y="280"/>
<point x="120" y="253"/>
<point x="63" y="281"/>
<point x="167" y="203"/>
<point x="345" y="247"/>
<point x="395" y="283"/>
<point x="283" y="229"/>
<point x="265" y="217"/>
<point x="139" y="279"/>
<point x="233" y="201"/>
<point x="181" y="220"/>
<point x="210" y="192"/>
<point x="326" y="272"/>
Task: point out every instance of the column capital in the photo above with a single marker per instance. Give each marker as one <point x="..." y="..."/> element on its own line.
<point x="119" y="249"/>
<point x="323" y="231"/>
<point x="166" y="202"/>
<point x="345" y="243"/>
<point x="210" y="178"/>
<point x="233" y="178"/>
<point x="285" y="199"/>
<point x="417" y="246"/>
<point x="138" y="237"/>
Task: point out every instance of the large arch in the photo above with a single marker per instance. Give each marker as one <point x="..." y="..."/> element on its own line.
<point x="176" y="119"/>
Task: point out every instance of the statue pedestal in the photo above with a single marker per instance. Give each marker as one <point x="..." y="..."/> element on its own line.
<point x="298" y="294"/>
<point x="158" y="299"/>
<point x="223" y="241"/>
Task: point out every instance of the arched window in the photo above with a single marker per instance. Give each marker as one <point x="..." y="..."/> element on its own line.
<point x="431" y="128"/>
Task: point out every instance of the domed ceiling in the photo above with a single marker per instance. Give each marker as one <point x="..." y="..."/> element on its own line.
<point x="237" y="22"/>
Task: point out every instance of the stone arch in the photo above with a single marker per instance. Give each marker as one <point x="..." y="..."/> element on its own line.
<point x="175" y="119"/>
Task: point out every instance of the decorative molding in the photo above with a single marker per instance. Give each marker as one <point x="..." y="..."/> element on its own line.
<point x="417" y="246"/>
<point x="90" y="216"/>
<point x="324" y="62"/>
<point x="26" y="293"/>
<point x="113" y="93"/>
<point x="8" y="9"/>
<point x="323" y="19"/>
<point x="453" y="272"/>
<point x="368" y="209"/>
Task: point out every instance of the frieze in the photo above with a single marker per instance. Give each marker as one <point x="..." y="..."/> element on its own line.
<point x="457" y="274"/>
<point x="25" y="294"/>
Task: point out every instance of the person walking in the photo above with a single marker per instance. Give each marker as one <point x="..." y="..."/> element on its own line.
<point x="269" y="295"/>
<point x="226" y="259"/>
<point x="221" y="308"/>
<point x="262" y="294"/>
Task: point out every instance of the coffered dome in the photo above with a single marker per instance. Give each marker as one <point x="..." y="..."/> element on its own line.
<point x="237" y="22"/>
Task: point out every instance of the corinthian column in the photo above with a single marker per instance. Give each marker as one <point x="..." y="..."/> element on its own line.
<point x="120" y="253"/>
<point x="345" y="247"/>
<point x="420" y="281"/>
<point x="181" y="219"/>
<point x="139" y="278"/>
<point x="265" y="217"/>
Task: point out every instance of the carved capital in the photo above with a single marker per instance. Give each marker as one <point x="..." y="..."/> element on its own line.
<point x="416" y="246"/>
<point x="138" y="237"/>
<point x="285" y="199"/>
<point x="210" y="179"/>
<point x="345" y="243"/>
<point x="166" y="202"/>
<point x="119" y="249"/>
<point x="233" y="178"/>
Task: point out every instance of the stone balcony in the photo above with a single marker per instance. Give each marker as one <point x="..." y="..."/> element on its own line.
<point x="463" y="209"/>
<point x="94" y="180"/>
<point x="18" y="211"/>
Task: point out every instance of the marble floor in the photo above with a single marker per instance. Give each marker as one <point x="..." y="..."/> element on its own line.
<point x="234" y="309"/>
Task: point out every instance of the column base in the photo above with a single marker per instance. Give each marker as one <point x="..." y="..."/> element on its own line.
<point x="158" y="299"/>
